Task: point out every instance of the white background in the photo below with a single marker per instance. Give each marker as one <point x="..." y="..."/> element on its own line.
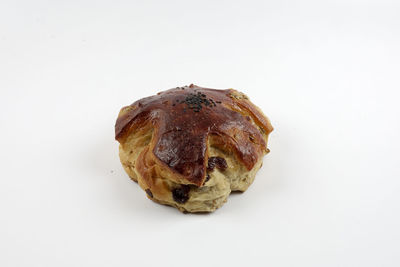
<point x="325" y="72"/>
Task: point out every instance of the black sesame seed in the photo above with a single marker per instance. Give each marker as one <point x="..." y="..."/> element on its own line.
<point x="197" y="101"/>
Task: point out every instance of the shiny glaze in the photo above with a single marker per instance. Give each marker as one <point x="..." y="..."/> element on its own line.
<point x="181" y="133"/>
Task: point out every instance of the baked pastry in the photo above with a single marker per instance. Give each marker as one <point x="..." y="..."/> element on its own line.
<point x="189" y="147"/>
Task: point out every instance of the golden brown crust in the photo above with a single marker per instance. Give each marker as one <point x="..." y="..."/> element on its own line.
<point x="184" y="120"/>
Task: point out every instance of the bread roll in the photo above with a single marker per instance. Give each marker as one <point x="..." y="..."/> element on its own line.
<point x="189" y="147"/>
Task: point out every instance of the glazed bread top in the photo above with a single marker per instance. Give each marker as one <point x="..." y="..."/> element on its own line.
<point x="187" y="120"/>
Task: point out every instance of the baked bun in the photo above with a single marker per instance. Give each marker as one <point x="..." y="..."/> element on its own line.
<point x="189" y="147"/>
